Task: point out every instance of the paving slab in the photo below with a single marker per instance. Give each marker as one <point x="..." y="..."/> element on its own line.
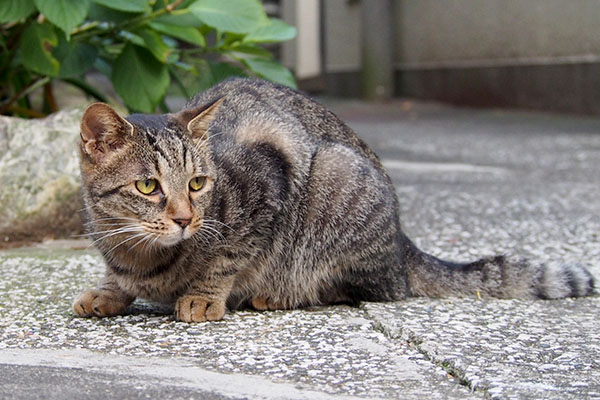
<point x="316" y="353"/>
<point x="471" y="183"/>
<point x="506" y="348"/>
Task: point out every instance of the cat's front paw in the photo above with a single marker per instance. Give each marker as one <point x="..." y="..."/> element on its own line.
<point x="99" y="303"/>
<point x="194" y="308"/>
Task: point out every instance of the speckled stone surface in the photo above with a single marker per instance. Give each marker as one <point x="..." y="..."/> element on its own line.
<point x="330" y="350"/>
<point x="471" y="183"/>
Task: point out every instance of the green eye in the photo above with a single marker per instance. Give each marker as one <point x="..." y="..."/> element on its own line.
<point x="197" y="183"/>
<point x="146" y="186"/>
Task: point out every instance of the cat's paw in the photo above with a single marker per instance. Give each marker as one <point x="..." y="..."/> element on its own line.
<point x="261" y="303"/>
<point x="193" y="308"/>
<point x="99" y="303"/>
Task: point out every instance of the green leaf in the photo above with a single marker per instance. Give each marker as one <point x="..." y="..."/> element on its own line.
<point x="186" y="33"/>
<point x="14" y="10"/>
<point x="222" y="71"/>
<point x="237" y="16"/>
<point x="141" y="6"/>
<point x="275" y="31"/>
<point x="203" y="74"/>
<point x="105" y="14"/>
<point x="87" y="88"/>
<point x="133" y="38"/>
<point x="75" y="58"/>
<point x="139" y="78"/>
<point x="66" y="14"/>
<point x="252" y="49"/>
<point x="185" y="19"/>
<point x="104" y="66"/>
<point x="271" y="70"/>
<point x="154" y="43"/>
<point x="37" y="44"/>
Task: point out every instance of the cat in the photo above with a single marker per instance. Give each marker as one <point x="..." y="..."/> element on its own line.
<point x="254" y="195"/>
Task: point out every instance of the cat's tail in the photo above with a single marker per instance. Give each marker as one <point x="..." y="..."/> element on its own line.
<point x="499" y="276"/>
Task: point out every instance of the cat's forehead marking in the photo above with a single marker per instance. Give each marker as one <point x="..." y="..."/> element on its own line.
<point x="172" y="156"/>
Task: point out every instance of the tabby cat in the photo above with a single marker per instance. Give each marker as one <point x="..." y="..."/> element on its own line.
<point x="255" y="195"/>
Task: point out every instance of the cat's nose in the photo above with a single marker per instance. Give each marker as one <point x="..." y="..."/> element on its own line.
<point x="182" y="222"/>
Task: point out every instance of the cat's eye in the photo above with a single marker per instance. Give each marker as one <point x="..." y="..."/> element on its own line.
<point x="146" y="186"/>
<point x="197" y="183"/>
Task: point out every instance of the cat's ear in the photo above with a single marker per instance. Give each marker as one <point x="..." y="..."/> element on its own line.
<point x="198" y="119"/>
<point x="103" y="130"/>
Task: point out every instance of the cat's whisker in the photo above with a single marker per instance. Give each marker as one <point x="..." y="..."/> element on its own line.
<point x="153" y="241"/>
<point x="220" y="223"/>
<point x="144" y="242"/>
<point x="112" y="219"/>
<point x="115" y="224"/>
<point x="114" y="232"/>
<point x="81" y="235"/>
<point x="200" y="235"/>
<point x="150" y="243"/>
<point x="213" y="225"/>
<point x="218" y="235"/>
<point x="109" y="252"/>
<point x="124" y="226"/>
<point x="201" y="238"/>
<point x="212" y="233"/>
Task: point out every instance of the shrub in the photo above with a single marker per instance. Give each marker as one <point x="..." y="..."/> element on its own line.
<point x="143" y="47"/>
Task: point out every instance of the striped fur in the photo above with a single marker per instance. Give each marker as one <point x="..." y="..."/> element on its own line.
<point x="297" y="210"/>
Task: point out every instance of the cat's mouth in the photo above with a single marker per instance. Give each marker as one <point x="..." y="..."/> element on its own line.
<point x="175" y="235"/>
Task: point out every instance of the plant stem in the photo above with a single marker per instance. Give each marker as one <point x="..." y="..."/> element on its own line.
<point x="87" y="88"/>
<point x="50" y="98"/>
<point x="12" y="45"/>
<point x="30" y="87"/>
<point x="26" y="111"/>
<point x="130" y="24"/>
<point x="173" y="5"/>
<point x="85" y="28"/>
<point x="179" y="84"/>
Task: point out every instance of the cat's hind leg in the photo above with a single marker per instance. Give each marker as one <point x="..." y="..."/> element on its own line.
<point x="261" y="303"/>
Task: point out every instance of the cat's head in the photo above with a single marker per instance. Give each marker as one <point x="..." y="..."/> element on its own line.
<point x="147" y="179"/>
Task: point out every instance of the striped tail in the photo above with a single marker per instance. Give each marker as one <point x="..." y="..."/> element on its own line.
<point x="499" y="276"/>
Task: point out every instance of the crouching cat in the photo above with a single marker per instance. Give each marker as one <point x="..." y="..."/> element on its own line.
<point x="255" y="195"/>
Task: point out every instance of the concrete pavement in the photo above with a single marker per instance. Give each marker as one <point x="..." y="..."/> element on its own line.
<point x="471" y="183"/>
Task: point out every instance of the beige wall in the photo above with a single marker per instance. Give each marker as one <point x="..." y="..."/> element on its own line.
<point x="496" y="32"/>
<point x="342" y="32"/>
<point x="303" y="54"/>
<point x="440" y="33"/>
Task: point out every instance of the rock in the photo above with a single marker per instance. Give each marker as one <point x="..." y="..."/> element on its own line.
<point x="39" y="175"/>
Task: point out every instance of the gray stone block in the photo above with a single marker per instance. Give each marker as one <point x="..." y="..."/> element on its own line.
<point x="39" y="175"/>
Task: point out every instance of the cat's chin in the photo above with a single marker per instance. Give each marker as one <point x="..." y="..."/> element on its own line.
<point x="169" y="241"/>
<point x="174" y="239"/>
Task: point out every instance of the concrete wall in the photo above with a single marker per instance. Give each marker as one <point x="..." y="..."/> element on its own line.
<point x="541" y="54"/>
<point x="434" y="33"/>
<point x="341" y="30"/>
<point x="303" y="53"/>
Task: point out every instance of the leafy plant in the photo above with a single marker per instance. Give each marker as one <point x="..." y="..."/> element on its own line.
<point x="143" y="46"/>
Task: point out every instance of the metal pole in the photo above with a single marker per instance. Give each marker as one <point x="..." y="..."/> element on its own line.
<point x="377" y="72"/>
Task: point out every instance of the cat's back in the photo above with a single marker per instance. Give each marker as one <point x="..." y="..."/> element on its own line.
<point x="258" y="108"/>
